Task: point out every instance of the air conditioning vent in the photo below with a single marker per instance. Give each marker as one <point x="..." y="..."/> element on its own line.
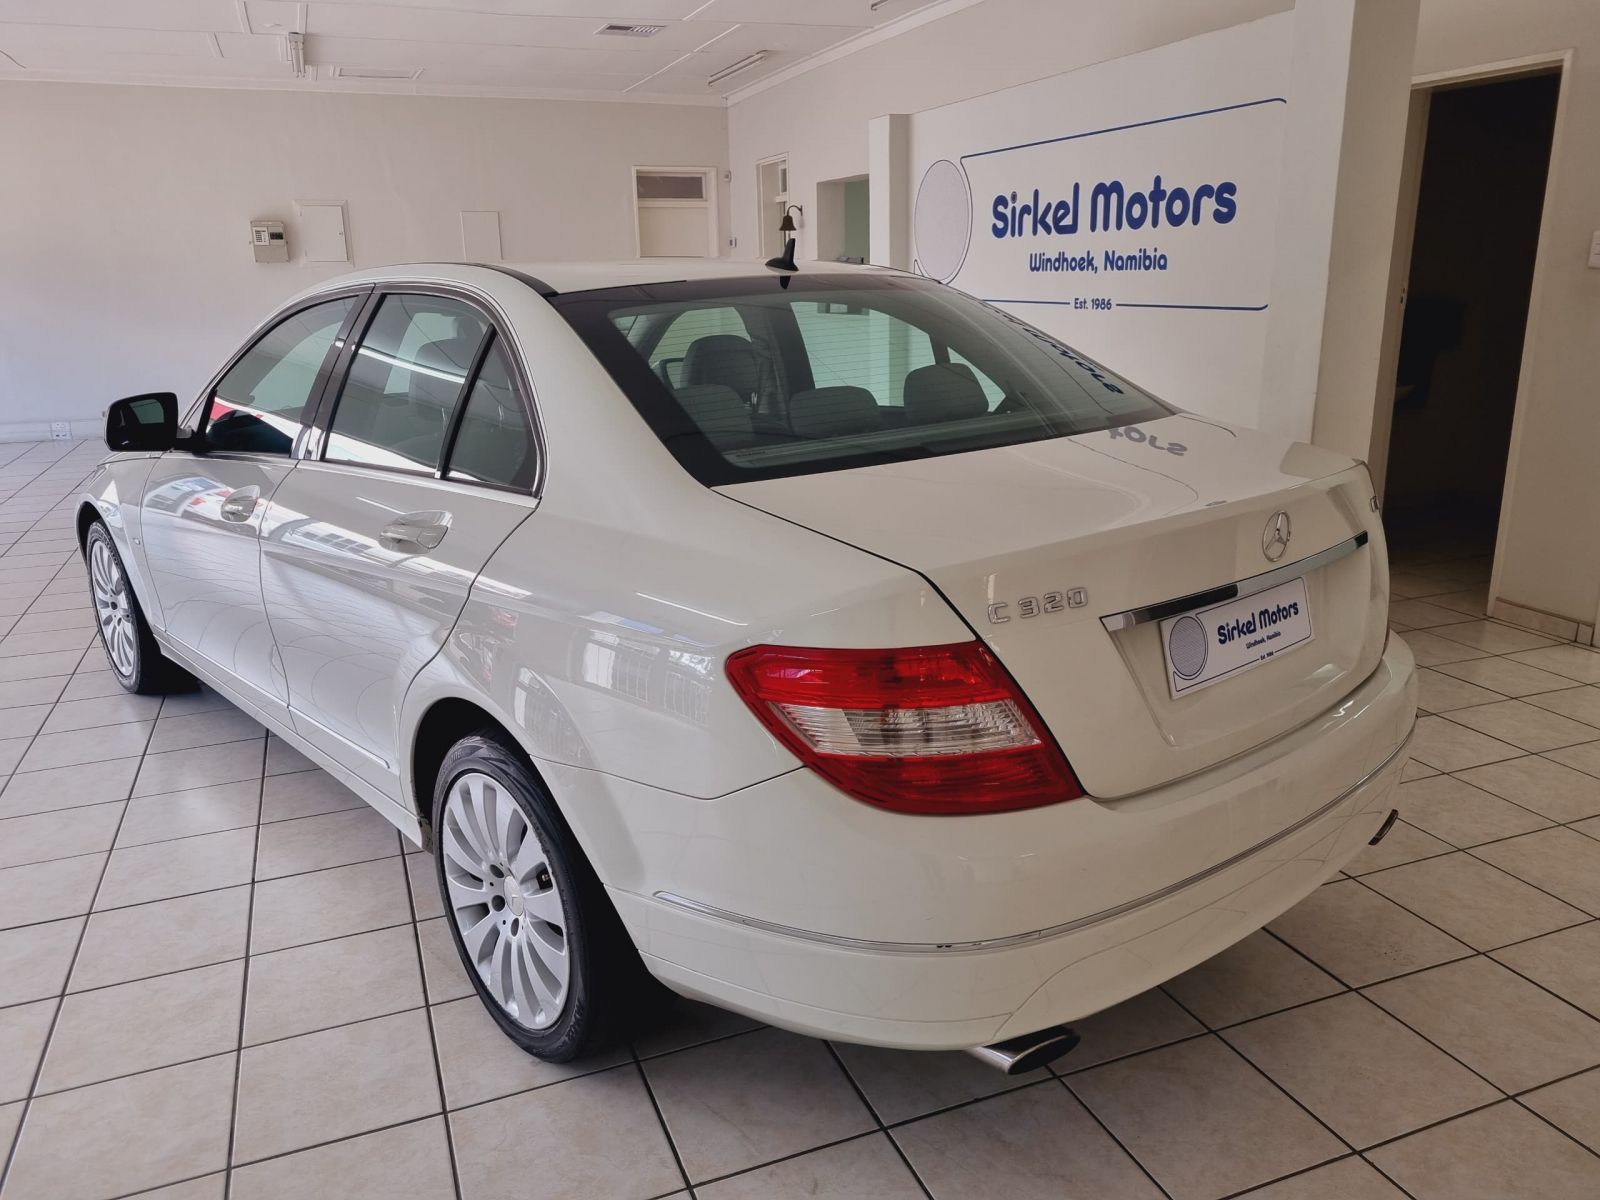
<point x="620" y="29"/>
<point x="376" y="72"/>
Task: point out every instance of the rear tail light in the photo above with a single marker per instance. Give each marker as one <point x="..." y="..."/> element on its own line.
<point x="927" y="729"/>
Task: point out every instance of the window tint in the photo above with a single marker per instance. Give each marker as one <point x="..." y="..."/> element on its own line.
<point x="404" y="381"/>
<point x="668" y="357"/>
<point x="259" y="405"/>
<point x="849" y="346"/>
<point x="494" y="443"/>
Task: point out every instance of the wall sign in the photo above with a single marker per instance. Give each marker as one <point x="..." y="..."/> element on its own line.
<point x="1129" y="207"/>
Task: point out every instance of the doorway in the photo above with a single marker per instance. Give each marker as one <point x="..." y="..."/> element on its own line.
<point x="1484" y="158"/>
<point x="772" y="201"/>
<point x="844" y="209"/>
<point x="675" y="212"/>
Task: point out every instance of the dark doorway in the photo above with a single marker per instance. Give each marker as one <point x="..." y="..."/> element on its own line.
<point x="1486" y="156"/>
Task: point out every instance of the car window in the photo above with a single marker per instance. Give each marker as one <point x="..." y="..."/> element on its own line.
<point x="403" y="383"/>
<point x="668" y="357"/>
<point x="259" y="406"/>
<point x="494" y="443"/>
<point x="850" y="346"/>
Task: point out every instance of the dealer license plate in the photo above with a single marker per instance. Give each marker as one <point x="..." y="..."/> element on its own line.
<point x="1209" y="645"/>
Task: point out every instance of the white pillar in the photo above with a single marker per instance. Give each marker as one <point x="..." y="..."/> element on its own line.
<point x="1350" y="85"/>
<point x="889" y="190"/>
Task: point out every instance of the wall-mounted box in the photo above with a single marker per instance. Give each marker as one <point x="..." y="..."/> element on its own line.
<point x="321" y="231"/>
<point x="268" y="241"/>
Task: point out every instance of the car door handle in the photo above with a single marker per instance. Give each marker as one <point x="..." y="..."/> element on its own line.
<point x="415" y="531"/>
<point x="241" y="505"/>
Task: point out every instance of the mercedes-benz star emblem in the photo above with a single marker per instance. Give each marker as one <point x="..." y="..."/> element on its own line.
<point x="1275" y="538"/>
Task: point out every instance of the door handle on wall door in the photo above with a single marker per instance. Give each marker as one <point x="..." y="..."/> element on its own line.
<point x="415" y="531"/>
<point x="241" y="505"/>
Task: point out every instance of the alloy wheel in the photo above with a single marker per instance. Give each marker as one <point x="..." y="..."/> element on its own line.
<point x="504" y="900"/>
<point x="113" y="608"/>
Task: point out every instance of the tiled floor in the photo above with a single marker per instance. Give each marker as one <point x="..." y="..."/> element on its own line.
<point x="219" y="974"/>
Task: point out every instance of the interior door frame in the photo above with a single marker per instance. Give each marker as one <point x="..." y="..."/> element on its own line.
<point x="709" y="203"/>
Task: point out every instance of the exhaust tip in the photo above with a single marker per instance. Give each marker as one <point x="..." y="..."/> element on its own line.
<point x="1383" y="830"/>
<point x="1028" y="1052"/>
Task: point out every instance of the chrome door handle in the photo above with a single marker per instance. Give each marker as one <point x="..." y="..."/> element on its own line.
<point x="241" y="505"/>
<point x="415" y="531"/>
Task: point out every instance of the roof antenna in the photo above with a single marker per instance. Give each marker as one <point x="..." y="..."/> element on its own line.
<point x="785" y="261"/>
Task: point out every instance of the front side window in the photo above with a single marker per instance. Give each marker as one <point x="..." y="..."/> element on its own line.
<point x="259" y="406"/>
<point x="764" y="377"/>
<point x="404" y="381"/>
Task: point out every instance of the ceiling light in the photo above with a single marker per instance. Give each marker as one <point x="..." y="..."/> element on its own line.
<point x="619" y="29"/>
<point x="376" y="72"/>
<point x="294" y="50"/>
<point x="877" y="4"/>
<point x="744" y="64"/>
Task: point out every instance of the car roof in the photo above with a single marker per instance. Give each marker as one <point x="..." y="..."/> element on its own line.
<point x="561" y="277"/>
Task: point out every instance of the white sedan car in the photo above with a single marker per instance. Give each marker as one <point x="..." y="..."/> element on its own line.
<point x="825" y="644"/>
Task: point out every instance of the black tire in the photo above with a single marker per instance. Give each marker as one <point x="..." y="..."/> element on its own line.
<point x="145" y="670"/>
<point x="605" y="973"/>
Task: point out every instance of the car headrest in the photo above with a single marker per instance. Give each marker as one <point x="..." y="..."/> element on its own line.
<point x="832" y="411"/>
<point x="444" y="364"/>
<point x="720" y="414"/>
<point x="725" y="359"/>
<point x="943" y="392"/>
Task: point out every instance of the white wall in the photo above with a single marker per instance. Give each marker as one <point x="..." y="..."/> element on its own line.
<point x="125" y="264"/>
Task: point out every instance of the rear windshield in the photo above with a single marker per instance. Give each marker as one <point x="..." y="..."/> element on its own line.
<point x="747" y="379"/>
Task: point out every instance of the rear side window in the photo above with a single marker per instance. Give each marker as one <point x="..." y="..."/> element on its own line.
<point x="259" y="406"/>
<point x="494" y="444"/>
<point x="404" y="381"/>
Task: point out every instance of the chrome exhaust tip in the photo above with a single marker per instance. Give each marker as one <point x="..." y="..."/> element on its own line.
<point x="1388" y="824"/>
<point x="1028" y="1052"/>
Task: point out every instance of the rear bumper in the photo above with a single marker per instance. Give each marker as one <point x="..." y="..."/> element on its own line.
<point x="956" y="975"/>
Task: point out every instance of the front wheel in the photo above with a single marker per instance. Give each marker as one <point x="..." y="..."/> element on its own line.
<point x="540" y="941"/>
<point x="131" y="648"/>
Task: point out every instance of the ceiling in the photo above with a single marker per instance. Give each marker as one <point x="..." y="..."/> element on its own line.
<point x="455" y="47"/>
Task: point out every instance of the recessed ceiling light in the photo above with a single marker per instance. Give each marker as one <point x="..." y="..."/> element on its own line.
<point x="620" y="29"/>
<point x="744" y="64"/>
<point x="376" y="72"/>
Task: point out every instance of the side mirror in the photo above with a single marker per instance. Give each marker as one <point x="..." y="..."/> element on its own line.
<point x="148" y="422"/>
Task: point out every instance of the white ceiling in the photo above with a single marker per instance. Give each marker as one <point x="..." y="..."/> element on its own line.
<point x="457" y="47"/>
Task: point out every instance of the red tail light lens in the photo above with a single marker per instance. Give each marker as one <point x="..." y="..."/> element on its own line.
<point x="927" y="729"/>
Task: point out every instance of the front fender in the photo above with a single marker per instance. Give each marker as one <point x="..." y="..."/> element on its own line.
<point x="112" y="494"/>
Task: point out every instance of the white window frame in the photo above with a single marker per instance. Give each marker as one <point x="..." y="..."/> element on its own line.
<point x="709" y="203"/>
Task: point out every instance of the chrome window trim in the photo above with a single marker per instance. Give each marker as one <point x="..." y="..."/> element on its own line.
<point x="1233" y="591"/>
<point x="1038" y="935"/>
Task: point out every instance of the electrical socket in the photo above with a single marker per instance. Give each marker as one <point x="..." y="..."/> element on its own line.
<point x="60" y="431"/>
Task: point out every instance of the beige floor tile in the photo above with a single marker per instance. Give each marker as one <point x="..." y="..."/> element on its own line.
<point x="901" y="1084"/>
<point x="124" y="944"/>
<point x="10" y="1119"/>
<point x="137" y="874"/>
<point x="202" y="766"/>
<point x="1504" y="1151"/>
<point x="34" y="960"/>
<point x="322" y="1086"/>
<point x="67" y="787"/>
<point x="1348" y="1179"/>
<point x="1147" y="1020"/>
<point x="284" y="759"/>
<point x="1431" y="650"/>
<point x="424" y="884"/>
<point x="331" y="983"/>
<point x="1548" y="788"/>
<point x="1483" y="907"/>
<point x="126" y="1135"/>
<point x="74" y="749"/>
<point x="23" y="1032"/>
<point x="1402" y="844"/>
<point x="748" y="1100"/>
<point x="408" y="1162"/>
<point x="20" y="692"/>
<point x="1573" y="1105"/>
<point x="305" y="794"/>
<point x="478" y="1062"/>
<point x="1561" y="861"/>
<point x="204" y="729"/>
<point x="1442" y="743"/>
<point x="1201" y="1120"/>
<point x="104" y="710"/>
<point x="1567" y="962"/>
<point x="866" y="1168"/>
<point x="91" y="685"/>
<point x="1473" y="601"/>
<point x="1575" y="662"/>
<point x="311" y="843"/>
<point x="1512" y="1032"/>
<point x="1421" y="614"/>
<point x="1463" y="815"/>
<point x="19" y="725"/>
<point x="595" y="1136"/>
<point x="1415" y="770"/>
<point x="1358" y="1069"/>
<point x="138" y="1026"/>
<point x="1361" y="937"/>
<point x="65" y="834"/>
<point x="38" y="666"/>
<point x="1492" y="637"/>
<point x="1505" y="676"/>
<point x="443" y="973"/>
<point x="1524" y="726"/>
<point x="188" y="814"/>
<point x="327" y="904"/>
<point x="682" y="1023"/>
<point x="48" y="891"/>
<point x="1585" y="758"/>
<point x="186" y="704"/>
<point x="1250" y="979"/>
<point x="1579" y="703"/>
<point x="1438" y="692"/>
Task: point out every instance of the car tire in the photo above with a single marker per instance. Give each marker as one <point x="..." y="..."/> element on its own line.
<point x="498" y="834"/>
<point x="131" y="649"/>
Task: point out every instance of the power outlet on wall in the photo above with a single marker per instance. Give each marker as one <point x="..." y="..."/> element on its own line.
<point x="60" y="431"/>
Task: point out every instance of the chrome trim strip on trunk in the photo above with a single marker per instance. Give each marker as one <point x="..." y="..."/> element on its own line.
<point x="1017" y="939"/>
<point x="1233" y="591"/>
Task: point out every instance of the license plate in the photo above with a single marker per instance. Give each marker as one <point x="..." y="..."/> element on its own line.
<point x="1212" y="644"/>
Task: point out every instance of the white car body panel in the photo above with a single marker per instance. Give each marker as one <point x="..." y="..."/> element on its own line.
<point x="592" y="621"/>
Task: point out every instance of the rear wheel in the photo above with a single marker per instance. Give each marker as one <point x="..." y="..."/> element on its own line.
<point x="131" y="648"/>
<point x="541" y="943"/>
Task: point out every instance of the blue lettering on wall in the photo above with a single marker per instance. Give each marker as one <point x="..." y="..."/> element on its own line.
<point x="1113" y="206"/>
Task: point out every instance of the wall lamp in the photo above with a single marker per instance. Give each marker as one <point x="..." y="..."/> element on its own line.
<point x="789" y="224"/>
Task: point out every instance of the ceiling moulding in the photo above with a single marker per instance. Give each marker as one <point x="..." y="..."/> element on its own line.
<point x="869" y="37"/>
